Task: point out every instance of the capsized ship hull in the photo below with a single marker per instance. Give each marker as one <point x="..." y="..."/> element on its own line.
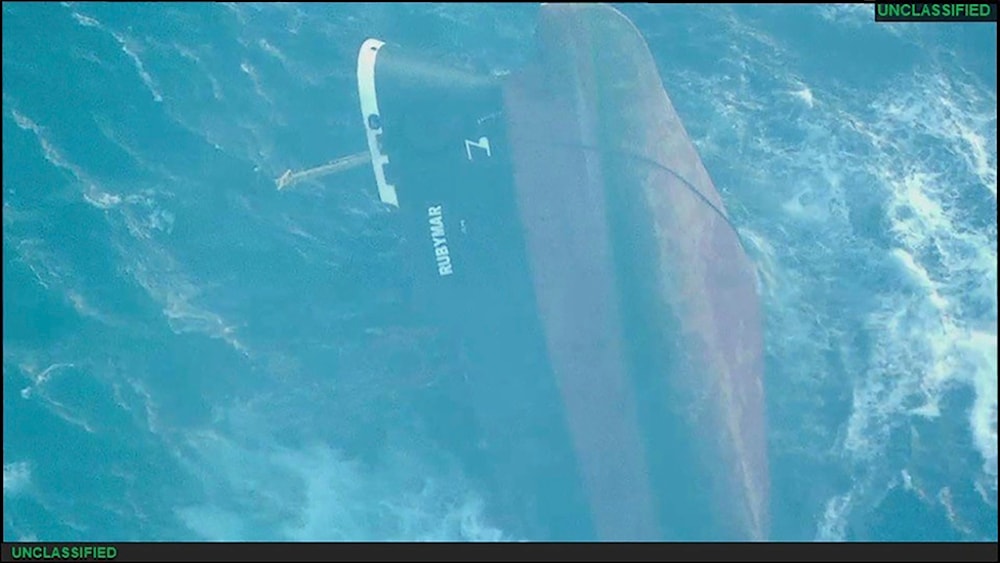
<point x="565" y="233"/>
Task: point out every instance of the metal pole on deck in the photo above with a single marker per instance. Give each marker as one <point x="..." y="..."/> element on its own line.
<point x="341" y="164"/>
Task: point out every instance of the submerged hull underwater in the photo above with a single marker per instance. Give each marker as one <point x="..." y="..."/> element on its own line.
<point x="564" y="233"/>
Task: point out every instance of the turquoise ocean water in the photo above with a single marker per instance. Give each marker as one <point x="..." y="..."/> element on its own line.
<point x="189" y="354"/>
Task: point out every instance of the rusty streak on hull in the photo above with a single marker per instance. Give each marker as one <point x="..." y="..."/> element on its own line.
<point x="648" y="303"/>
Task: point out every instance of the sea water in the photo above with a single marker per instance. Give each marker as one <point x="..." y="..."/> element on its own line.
<point x="190" y="354"/>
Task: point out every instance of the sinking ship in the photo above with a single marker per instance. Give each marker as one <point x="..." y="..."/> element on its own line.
<point x="561" y="228"/>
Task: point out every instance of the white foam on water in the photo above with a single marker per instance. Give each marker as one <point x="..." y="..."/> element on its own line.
<point x="129" y="46"/>
<point x="924" y="150"/>
<point x="164" y="280"/>
<point x="257" y="489"/>
<point x="805" y="95"/>
<point x="56" y="275"/>
<point x="38" y="391"/>
<point x="151" y="266"/>
<point x="92" y="193"/>
<point x="940" y="332"/>
<point x="251" y="72"/>
<point x="190" y="54"/>
<point x="16" y="478"/>
<point x="270" y="49"/>
<point x="949" y="333"/>
<point x="833" y="521"/>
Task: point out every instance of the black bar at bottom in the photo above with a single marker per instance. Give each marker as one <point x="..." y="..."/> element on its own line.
<point x="500" y="552"/>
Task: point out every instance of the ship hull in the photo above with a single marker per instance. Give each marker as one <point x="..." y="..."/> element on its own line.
<point x="594" y="289"/>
